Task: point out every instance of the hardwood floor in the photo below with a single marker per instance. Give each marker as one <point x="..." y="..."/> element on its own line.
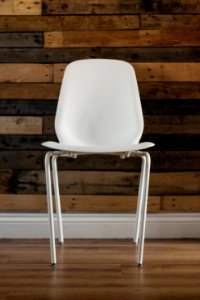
<point x="100" y="269"/>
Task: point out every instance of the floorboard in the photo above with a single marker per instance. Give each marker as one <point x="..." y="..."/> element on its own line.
<point x="100" y="269"/>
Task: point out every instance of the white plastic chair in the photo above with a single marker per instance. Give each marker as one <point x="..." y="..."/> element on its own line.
<point x="98" y="112"/>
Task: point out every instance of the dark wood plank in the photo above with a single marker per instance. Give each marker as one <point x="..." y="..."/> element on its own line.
<point x="150" y="107"/>
<point x="170" y="90"/>
<point x="150" y="54"/>
<point x="128" y="38"/>
<point x="53" y="23"/>
<point x="104" y="183"/>
<point x="119" y="7"/>
<point x="21" y="159"/>
<point x="174" y="21"/>
<point x="21" y="40"/>
<point x="164" y="142"/>
<point x="28" y="107"/>
<point x="171" y="107"/>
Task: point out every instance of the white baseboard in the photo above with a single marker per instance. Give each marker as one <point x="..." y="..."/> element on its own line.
<point x="173" y="225"/>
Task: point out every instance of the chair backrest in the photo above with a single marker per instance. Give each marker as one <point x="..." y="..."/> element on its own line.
<point x="99" y="104"/>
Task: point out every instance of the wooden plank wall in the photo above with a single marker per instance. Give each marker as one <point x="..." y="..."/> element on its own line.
<point x="161" y="39"/>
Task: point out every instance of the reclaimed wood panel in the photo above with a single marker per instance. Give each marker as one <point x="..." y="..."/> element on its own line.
<point x="98" y="203"/>
<point x="26" y="73"/>
<point x="35" y="91"/>
<point x="153" y="124"/>
<point x="52" y="23"/>
<point x="164" y="142"/>
<point x="20" y="125"/>
<point x="75" y="203"/>
<point x="161" y="161"/>
<point x="21" y="40"/>
<point x="13" y="159"/>
<point x="109" y="183"/>
<point x="131" y="54"/>
<point x="18" y="7"/>
<point x="28" y="107"/>
<point x="170" y="90"/>
<point x="164" y="21"/>
<point x="172" y="124"/>
<point x="5" y="180"/>
<point x="119" y="6"/>
<point x="153" y="72"/>
<point x="167" y="107"/>
<point x="128" y="38"/>
<point x="180" y="204"/>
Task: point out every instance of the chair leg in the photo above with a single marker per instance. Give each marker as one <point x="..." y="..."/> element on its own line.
<point x="144" y="209"/>
<point x="57" y="198"/>
<point x="50" y="206"/>
<point x="140" y="200"/>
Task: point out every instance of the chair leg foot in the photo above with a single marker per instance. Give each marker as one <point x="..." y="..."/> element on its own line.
<point x="53" y="264"/>
<point x="139" y="265"/>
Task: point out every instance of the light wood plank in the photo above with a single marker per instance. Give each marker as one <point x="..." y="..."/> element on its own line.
<point x="153" y="72"/>
<point x="75" y="203"/>
<point x="26" y="73"/>
<point x="20" y="125"/>
<point x="52" y="23"/>
<point x="167" y="72"/>
<point x="31" y="91"/>
<point x="18" y="7"/>
<point x="180" y="204"/>
<point x="136" y="38"/>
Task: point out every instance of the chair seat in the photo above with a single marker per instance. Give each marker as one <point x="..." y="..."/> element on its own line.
<point x="95" y="149"/>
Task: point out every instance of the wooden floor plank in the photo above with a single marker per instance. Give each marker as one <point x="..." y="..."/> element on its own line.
<point x="100" y="269"/>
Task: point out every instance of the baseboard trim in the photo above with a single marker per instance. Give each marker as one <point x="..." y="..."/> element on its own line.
<point x="168" y="225"/>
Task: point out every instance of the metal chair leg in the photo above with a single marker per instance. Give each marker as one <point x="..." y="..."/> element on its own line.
<point x="140" y="200"/>
<point x="57" y="197"/>
<point x="144" y="209"/>
<point x="50" y="206"/>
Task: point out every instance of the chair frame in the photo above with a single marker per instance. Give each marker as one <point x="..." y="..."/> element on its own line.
<point x="52" y="186"/>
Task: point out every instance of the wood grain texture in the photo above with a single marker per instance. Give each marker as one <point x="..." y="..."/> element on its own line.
<point x="170" y="90"/>
<point x="21" y="40"/>
<point x="98" y="269"/>
<point x="153" y="124"/>
<point x="173" y="21"/>
<point x="180" y="204"/>
<point x="107" y="183"/>
<point x="23" y="159"/>
<point x="52" y="23"/>
<point x="50" y="91"/>
<point x="153" y="72"/>
<point x="26" y="73"/>
<point x="29" y="91"/>
<point x="18" y="7"/>
<point x="166" y="107"/>
<point x="75" y="203"/>
<point x="128" y="38"/>
<point x="119" y="6"/>
<point x="20" y="125"/>
<point x="131" y="54"/>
